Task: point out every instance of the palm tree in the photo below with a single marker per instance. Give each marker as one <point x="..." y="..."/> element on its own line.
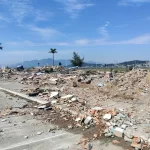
<point x="53" y="51"/>
<point x="1" y="46"/>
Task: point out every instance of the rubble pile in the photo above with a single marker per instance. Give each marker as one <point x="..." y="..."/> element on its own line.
<point x="88" y="98"/>
<point x="129" y="85"/>
<point x="122" y="124"/>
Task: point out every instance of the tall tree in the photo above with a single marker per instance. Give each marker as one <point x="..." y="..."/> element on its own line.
<point x="1" y="46"/>
<point x="77" y="60"/>
<point x="53" y="51"/>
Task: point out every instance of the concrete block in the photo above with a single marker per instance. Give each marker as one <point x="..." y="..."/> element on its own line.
<point x="107" y="117"/>
<point x="118" y="132"/>
<point x="87" y="120"/>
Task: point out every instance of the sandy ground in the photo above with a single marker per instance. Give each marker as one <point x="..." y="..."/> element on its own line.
<point x="20" y="131"/>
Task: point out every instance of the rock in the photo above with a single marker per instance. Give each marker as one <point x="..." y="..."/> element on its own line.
<point x="126" y="139"/>
<point x="118" y="132"/>
<point x="89" y="146"/>
<point x="124" y="126"/>
<point x="87" y="120"/>
<point x="108" y="134"/>
<point x="4" y="120"/>
<point x="129" y="133"/>
<point x="1" y="130"/>
<point x="26" y="137"/>
<point x="100" y="85"/>
<point x="95" y="135"/>
<point x="67" y="97"/>
<point x="73" y="99"/>
<point x="54" y="95"/>
<point x="144" y="138"/>
<point x="70" y="127"/>
<point x="115" y="142"/>
<point x="39" y="133"/>
<point x="48" y="108"/>
<point x="42" y="107"/>
<point x="53" y="81"/>
<point x="53" y="102"/>
<point x="107" y="117"/>
<point x="75" y="84"/>
<point x="97" y="108"/>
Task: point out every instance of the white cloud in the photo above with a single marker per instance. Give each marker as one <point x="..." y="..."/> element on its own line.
<point x="34" y="44"/>
<point x="42" y="16"/>
<point x="73" y="7"/>
<point x="82" y="42"/>
<point x="103" y="30"/>
<point x="4" y="19"/>
<point x="142" y="39"/>
<point x="45" y="32"/>
<point x="19" y="9"/>
<point x="132" y="2"/>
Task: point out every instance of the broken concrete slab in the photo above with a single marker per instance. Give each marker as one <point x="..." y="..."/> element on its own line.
<point x="24" y="96"/>
<point x="118" y="132"/>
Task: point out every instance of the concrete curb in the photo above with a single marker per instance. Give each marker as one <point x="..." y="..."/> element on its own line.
<point x="24" y="96"/>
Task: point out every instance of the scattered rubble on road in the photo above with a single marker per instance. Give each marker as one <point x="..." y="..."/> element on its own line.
<point x="119" y="106"/>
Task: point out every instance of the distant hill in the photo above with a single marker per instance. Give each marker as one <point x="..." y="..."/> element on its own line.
<point x="44" y="62"/>
<point x="133" y="62"/>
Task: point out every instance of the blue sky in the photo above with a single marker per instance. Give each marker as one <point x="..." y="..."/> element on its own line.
<point x="100" y="30"/>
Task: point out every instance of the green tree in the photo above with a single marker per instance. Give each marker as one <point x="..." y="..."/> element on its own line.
<point x="53" y="51"/>
<point x="77" y="60"/>
<point x="1" y="46"/>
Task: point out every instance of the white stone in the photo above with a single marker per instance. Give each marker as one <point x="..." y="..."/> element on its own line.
<point x="53" y="102"/>
<point x="3" y="120"/>
<point x="54" y="94"/>
<point x="26" y="137"/>
<point x="118" y="132"/>
<point x="108" y="124"/>
<point x="67" y="97"/>
<point x="39" y="133"/>
<point x="77" y="119"/>
<point x="124" y="126"/>
<point x="97" y="108"/>
<point x="42" y="107"/>
<point x="107" y="117"/>
<point x="87" y="120"/>
<point x="74" y="99"/>
<point x="149" y="141"/>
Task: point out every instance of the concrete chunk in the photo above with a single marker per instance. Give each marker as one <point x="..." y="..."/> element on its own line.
<point x="87" y="120"/>
<point x="118" y="132"/>
<point x="107" y="117"/>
